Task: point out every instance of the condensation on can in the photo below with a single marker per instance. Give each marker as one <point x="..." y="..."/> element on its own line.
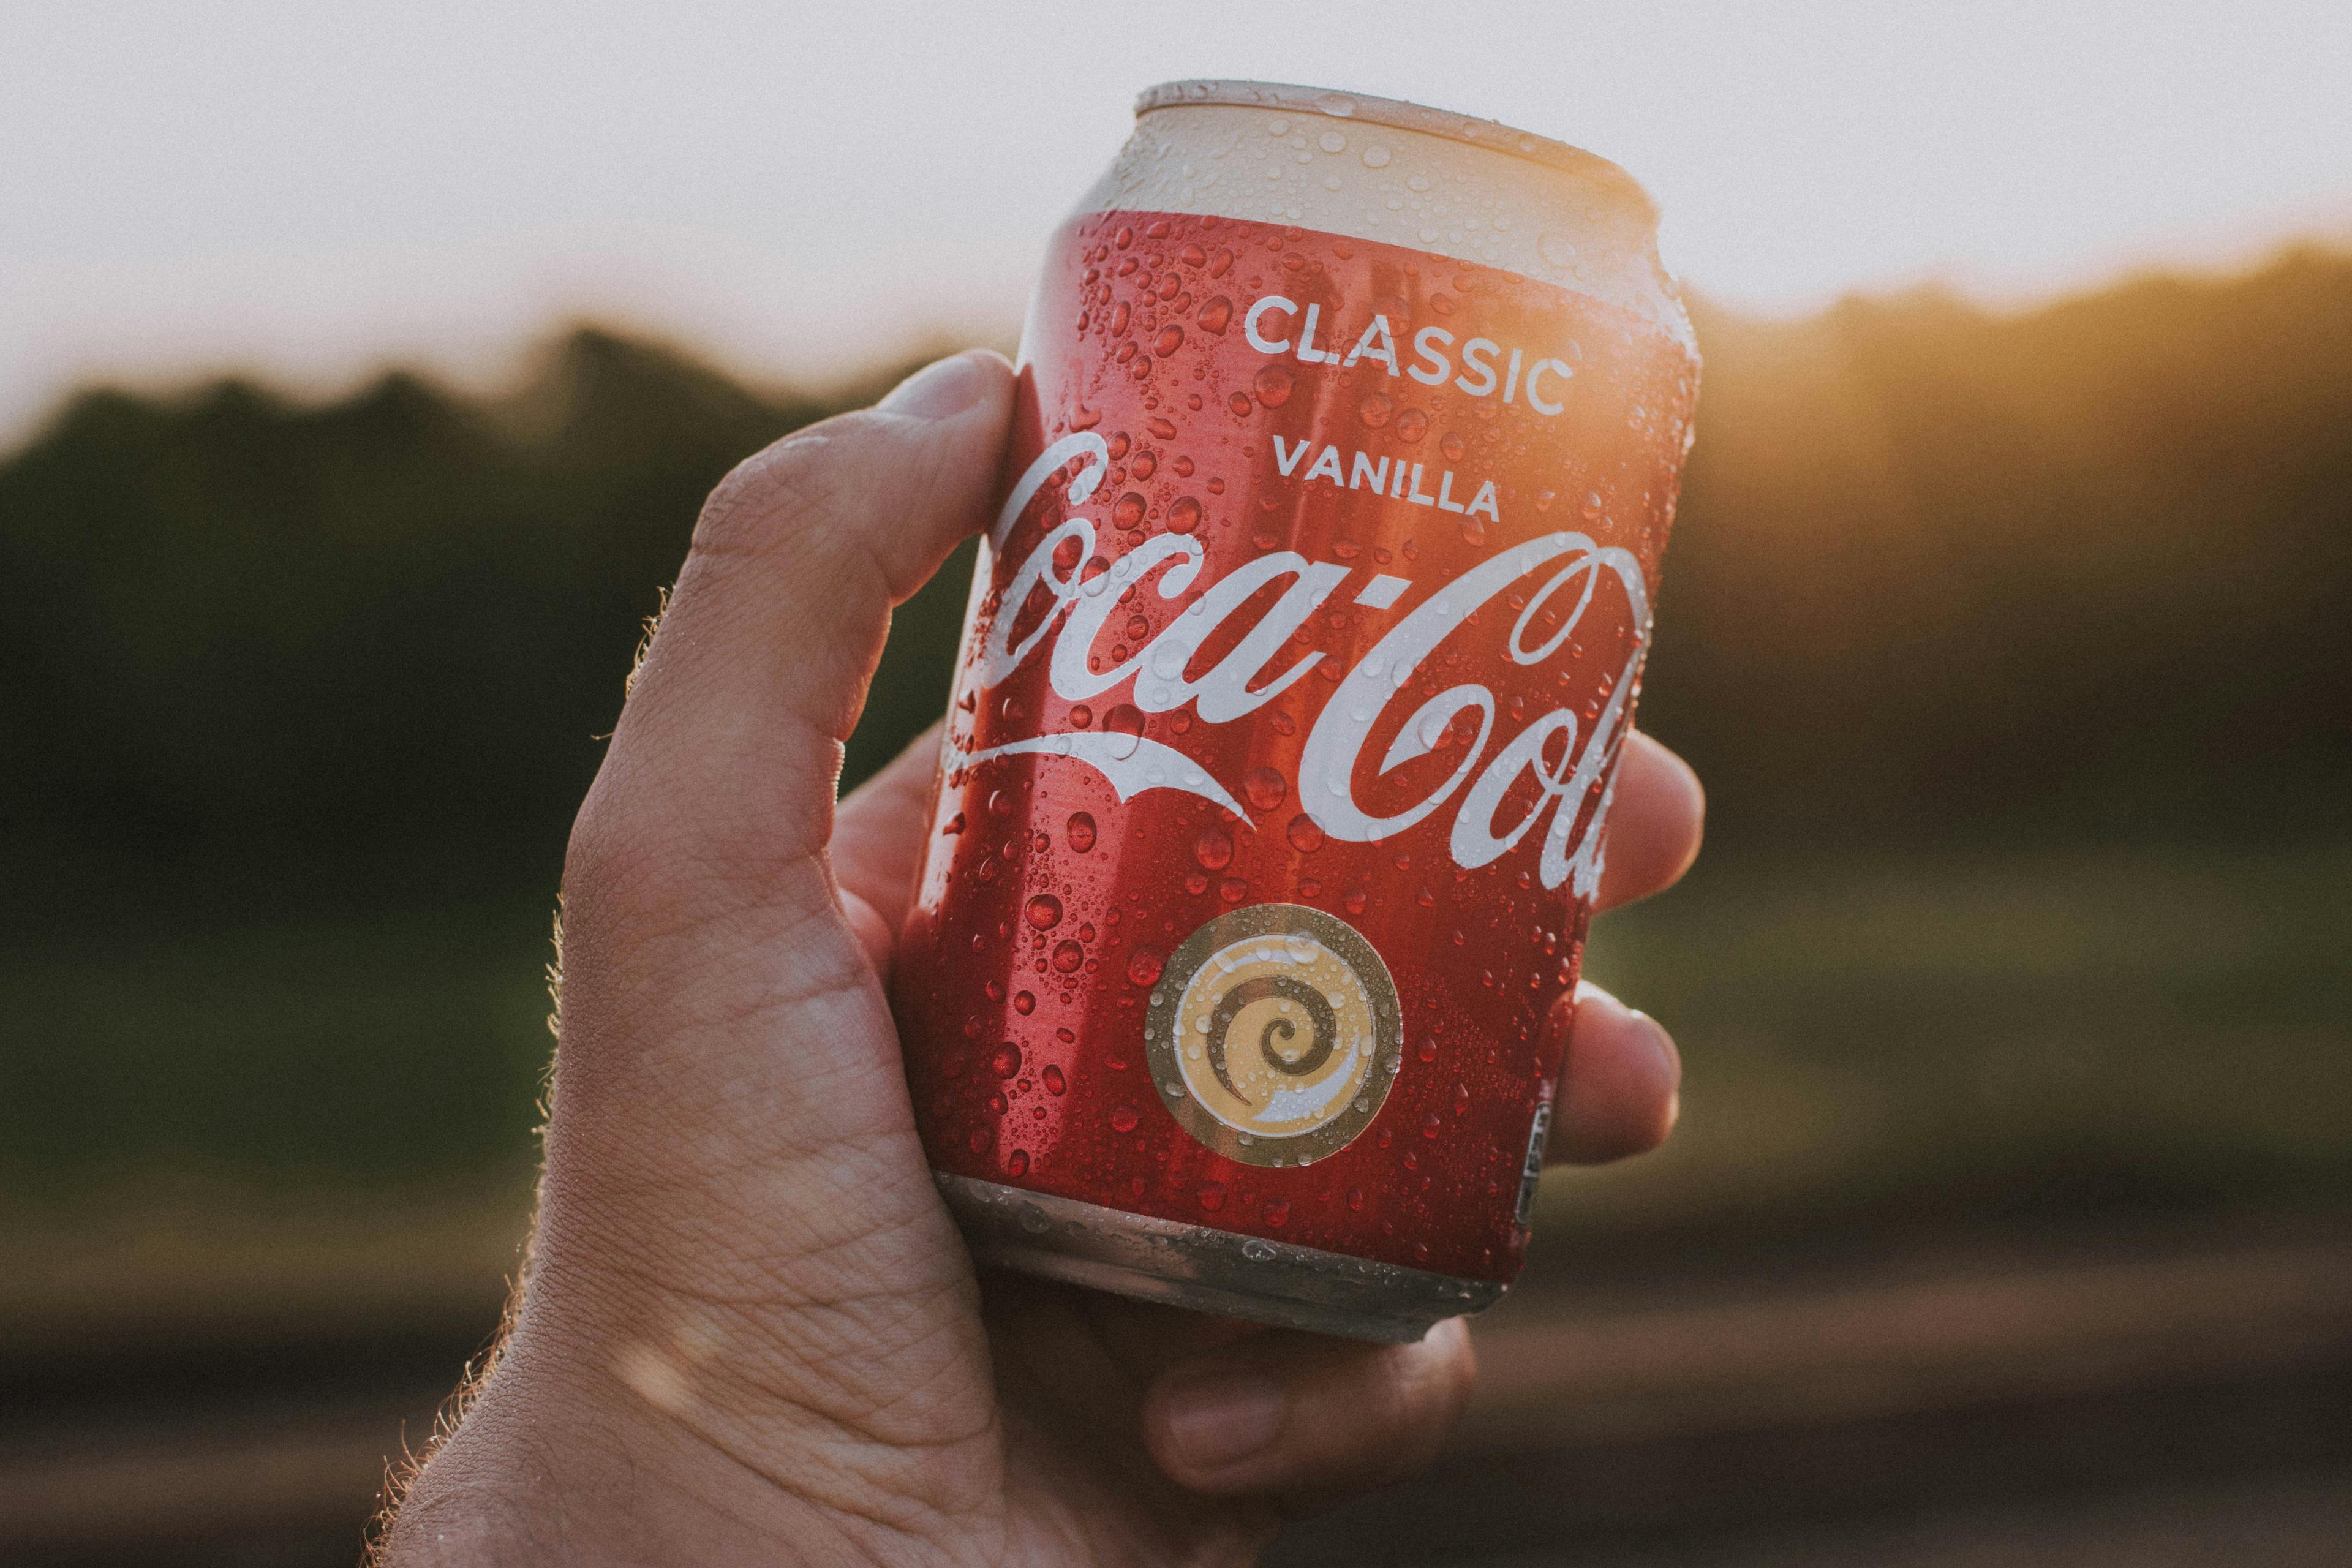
<point x="1201" y="1042"/>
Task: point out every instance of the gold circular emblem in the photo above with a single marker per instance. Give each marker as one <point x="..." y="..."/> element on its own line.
<point x="1274" y="1034"/>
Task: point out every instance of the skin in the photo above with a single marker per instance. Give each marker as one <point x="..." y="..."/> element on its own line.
<point x="749" y="1330"/>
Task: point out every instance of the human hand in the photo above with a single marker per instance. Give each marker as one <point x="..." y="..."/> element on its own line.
<point x="749" y="1331"/>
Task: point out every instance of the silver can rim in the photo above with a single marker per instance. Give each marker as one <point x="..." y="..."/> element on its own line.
<point x="1364" y="108"/>
<point x="1208" y="1270"/>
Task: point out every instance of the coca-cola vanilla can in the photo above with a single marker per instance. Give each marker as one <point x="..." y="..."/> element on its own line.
<point x="1297" y="665"/>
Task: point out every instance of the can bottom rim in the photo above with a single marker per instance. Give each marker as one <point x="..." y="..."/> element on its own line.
<point x="1204" y="1268"/>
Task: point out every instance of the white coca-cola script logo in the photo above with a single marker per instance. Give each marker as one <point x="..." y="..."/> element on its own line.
<point x="1239" y="682"/>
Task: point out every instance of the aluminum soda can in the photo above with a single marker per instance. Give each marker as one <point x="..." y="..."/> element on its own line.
<point x="1296" y="670"/>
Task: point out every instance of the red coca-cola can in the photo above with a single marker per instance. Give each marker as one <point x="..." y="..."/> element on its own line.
<point x="1295" y="672"/>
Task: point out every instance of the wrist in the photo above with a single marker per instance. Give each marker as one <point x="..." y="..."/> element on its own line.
<point x="584" y="1453"/>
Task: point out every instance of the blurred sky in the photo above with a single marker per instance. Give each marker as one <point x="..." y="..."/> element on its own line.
<point x="312" y="189"/>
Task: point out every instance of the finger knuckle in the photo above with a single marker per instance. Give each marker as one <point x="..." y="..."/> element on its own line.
<point x="1454" y="1370"/>
<point x="1427" y="1381"/>
<point x="1425" y="1394"/>
<point x="612" y="867"/>
<point x="804" y="496"/>
<point x="794" y="490"/>
<point x="775" y="491"/>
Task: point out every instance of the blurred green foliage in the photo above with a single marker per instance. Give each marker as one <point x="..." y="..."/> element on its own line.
<point x="349" y="658"/>
<point x="2078" y="575"/>
<point x="1877" y="1041"/>
<point x="302" y="698"/>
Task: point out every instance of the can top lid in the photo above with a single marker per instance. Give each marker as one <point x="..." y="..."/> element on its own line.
<point x="1492" y="134"/>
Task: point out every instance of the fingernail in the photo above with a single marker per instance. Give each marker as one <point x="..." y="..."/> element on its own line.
<point x="939" y="389"/>
<point x="1222" y="1421"/>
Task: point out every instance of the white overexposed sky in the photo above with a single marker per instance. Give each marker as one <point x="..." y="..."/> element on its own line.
<point x="310" y="190"/>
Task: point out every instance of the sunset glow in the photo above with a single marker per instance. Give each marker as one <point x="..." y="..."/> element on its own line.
<point x="311" y="192"/>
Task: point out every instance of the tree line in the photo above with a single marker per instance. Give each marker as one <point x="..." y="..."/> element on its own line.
<point x="1939" y="576"/>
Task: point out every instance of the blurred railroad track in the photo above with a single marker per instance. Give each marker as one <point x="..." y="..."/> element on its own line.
<point x="1671" y="1418"/>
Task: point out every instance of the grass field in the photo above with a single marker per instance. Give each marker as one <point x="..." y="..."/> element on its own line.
<point x="1992" y="1039"/>
<point x="1877" y="1041"/>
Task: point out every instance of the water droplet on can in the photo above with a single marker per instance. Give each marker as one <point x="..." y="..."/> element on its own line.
<point x="1125" y="722"/>
<point x="1213" y="849"/>
<point x="1263" y="788"/>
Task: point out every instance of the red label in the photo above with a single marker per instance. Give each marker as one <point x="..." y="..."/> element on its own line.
<point x="1286" y="722"/>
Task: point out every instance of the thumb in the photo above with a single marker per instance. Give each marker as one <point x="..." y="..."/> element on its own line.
<point x="716" y="1012"/>
<point x="728" y="749"/>
<point x="730" y="1155"/>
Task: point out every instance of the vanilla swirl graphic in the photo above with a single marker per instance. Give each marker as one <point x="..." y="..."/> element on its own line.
<point x="1323" y="1025"/>
<point x="1274" y="1034"/>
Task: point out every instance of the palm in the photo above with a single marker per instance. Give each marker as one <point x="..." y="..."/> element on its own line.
<point x="1068" y="1369"/>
